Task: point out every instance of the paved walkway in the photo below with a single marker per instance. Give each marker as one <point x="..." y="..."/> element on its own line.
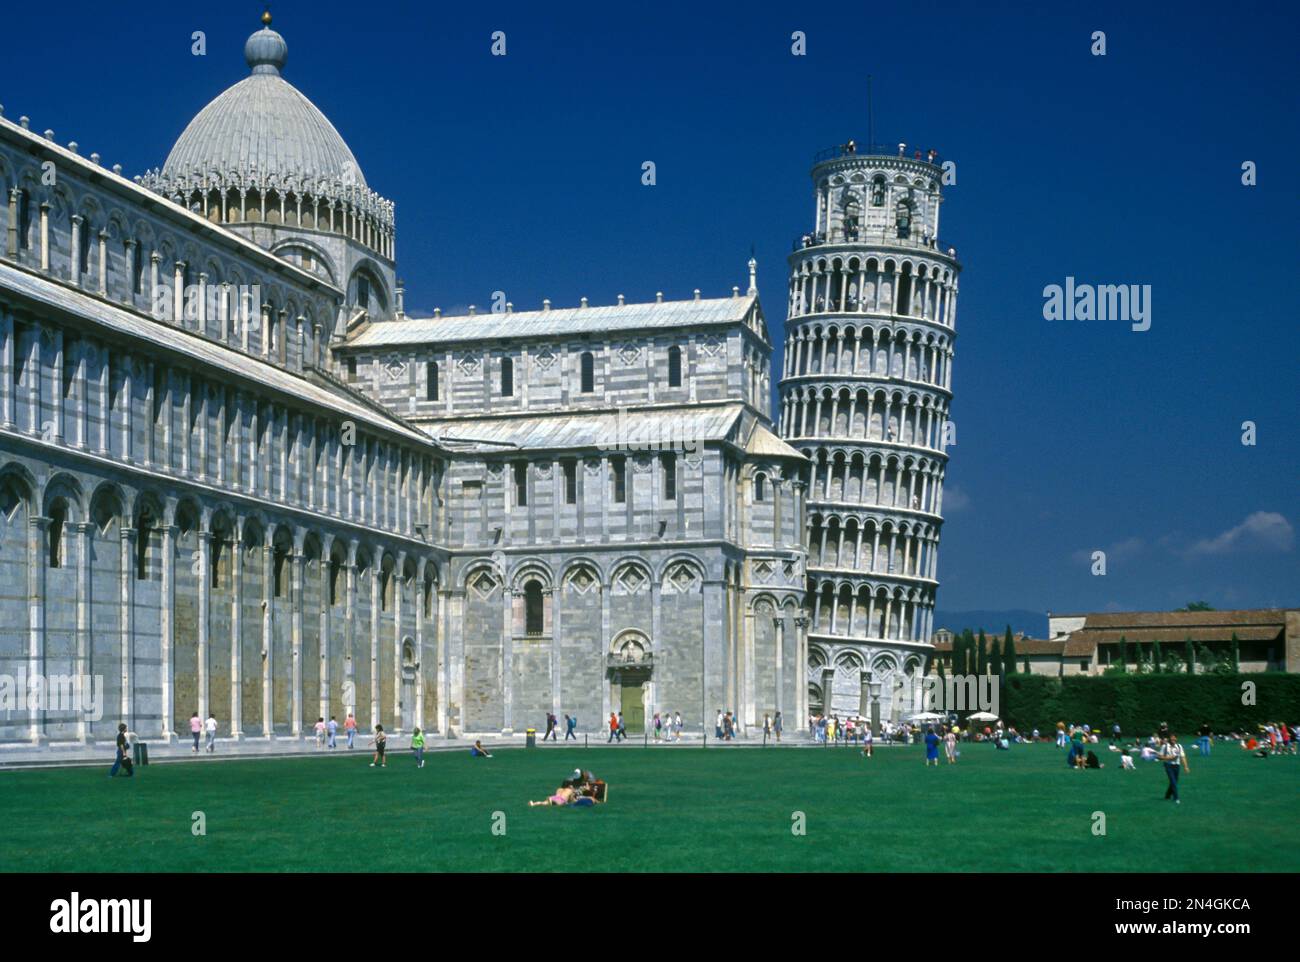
<point x="16" y="755"/>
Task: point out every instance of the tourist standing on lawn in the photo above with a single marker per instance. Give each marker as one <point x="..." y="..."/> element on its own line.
<point x="867" y="735"/>
<point x="1203" y="743"/>
<point x="931" y="748"/>
<point x="417" y="746"/>
<point x="123" y="757"/>
<point x="381" y="743"/>
<point x="196" y="727"/>
<point x="950" y="747"/>
<point x="210" y="728"/>
<point x="1175" y="759"/>
<point x="350" y="728"/>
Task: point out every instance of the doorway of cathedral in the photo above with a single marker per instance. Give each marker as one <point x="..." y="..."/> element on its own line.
<point x="630" y="667"/>
<point x="633" y="702"/>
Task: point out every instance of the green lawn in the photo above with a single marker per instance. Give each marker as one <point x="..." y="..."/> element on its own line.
<point x="669" y="810"/>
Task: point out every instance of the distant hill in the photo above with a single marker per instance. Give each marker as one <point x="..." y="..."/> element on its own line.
<point x="1032" y="623"/>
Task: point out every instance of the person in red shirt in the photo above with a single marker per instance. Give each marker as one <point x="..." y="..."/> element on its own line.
<point x="613" y="727"/>
<point x="350" y="727"/>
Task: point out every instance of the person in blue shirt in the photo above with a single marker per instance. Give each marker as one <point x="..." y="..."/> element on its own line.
<point x="570" y="723"/>
<point x="931" y="747"/>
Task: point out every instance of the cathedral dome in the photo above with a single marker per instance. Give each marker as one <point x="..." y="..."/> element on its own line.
<point x="263" y="128"/>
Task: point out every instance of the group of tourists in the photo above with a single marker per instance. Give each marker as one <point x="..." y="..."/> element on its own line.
<point x="667" y="727"/>
<point x="553" y="727"/>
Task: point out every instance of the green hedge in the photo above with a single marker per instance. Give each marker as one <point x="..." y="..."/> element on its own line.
<point x="1140" y="702"/>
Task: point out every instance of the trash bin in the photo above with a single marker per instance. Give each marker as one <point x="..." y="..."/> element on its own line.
<point x="141" y="753"/>
<point x="530" y="738"/>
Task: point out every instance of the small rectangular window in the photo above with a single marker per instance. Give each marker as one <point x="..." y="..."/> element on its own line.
<point x="588" y="373"/>
<point x="521" y="484"/>
<point x="669" y="463"/>
<point x="352" y="367"/>
<point x="431" y="381"/>
<point x="570" y="482"/>
<point x="619" y="468"/>
<point x="507" y="377"/>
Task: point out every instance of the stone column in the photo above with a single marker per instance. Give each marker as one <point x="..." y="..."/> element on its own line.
<point x="295" y="609"/>
<point x="8" y="345"/>
<point x="37" y="560"/>
<point x="375" y="606"/>
<point x="205" y="604"/>
<point x="83" y="668"/>
<point x="45" y="236"/>
<point x="326" y="569"/>
<point x="398" y="573"/>
<point x="801" y="670"/>
<point x="167" y="624"/>
<point x="349" y="631"/>
<point x="508" y="656"/>
<point x="268" y="627"/>
<point x="236" y="629"/>
<point x="778" y="624"/>
<point x="419" y="643"/>
<point x="126" y="600"/>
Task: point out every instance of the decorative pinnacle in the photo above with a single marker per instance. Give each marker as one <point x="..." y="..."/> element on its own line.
<point x="266" y="16"/>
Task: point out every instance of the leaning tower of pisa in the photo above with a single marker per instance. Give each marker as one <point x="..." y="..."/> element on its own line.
<point x="865" y="394"/>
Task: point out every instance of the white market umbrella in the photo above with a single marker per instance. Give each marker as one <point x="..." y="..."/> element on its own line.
<point x="982" y="716"/>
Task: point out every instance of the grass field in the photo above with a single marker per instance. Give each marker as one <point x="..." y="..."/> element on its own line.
<point x="669" y="810"/>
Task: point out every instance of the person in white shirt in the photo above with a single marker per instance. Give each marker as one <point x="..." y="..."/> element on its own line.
<point x="210" y="727"/>
<point x="1175" y="759"/>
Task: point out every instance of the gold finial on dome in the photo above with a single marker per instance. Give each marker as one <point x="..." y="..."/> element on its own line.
<point x="266" y="17"/>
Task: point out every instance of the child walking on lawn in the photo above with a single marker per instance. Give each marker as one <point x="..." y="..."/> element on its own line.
<point x="381" y="743"/>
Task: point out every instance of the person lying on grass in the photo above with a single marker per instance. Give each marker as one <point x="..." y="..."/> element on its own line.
<point x="565" y="796"/>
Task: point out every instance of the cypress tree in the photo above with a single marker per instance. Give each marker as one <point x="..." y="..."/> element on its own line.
<point x="1155" y="648"/>
<point x="995" y="659"/>
<point x="1027" y="665"/>
<point x="1236" y="653"/>
<point x="967" y="652"/>
<point x="1191" y="656"/>
<point x="1123" y="652"/>
<point x="1009" y="652"/>
<point x="982" y="664"/>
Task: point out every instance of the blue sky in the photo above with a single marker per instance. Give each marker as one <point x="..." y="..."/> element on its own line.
<point x="522" y="173"/>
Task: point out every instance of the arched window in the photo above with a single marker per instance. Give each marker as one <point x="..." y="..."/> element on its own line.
<point x="760" y="487"/>
<point x="363" y="292"/>
<point x="430" y="382"/>
<point x="24" y="221"/>
<point x="674" y="366"/>
<point x="588" y="372"/>
<point x="507" y="377"/>
<point x="58" y="518"/>
<point x="143" y="534"/>
<point x="534" y="621"/>
<point x="278" y="566"/>
<point x="336" y="572"/>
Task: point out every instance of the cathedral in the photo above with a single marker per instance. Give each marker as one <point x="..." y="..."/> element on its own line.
<point x="237" y="479"/>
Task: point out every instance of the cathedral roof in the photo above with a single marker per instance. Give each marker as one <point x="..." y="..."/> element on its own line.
<point x="263" y="128"/>
<point x="557" y="321"/>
